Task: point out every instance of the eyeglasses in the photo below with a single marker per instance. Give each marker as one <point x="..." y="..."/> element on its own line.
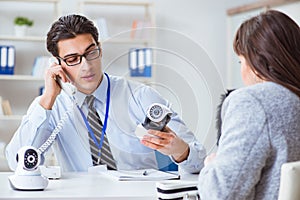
<point x="76" y="59"/>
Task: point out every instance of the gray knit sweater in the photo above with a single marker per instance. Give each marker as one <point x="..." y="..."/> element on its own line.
<point x="260" y="132"/>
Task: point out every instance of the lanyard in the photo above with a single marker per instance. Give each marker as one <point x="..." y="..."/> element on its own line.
<point x="99" y="145"/>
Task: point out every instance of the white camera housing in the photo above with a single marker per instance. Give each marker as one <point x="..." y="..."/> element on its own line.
<point x="28" y="175"/>
<point x="158" y="115"/>
<point x="28" y="159"/>
<point x="157" y="112"/>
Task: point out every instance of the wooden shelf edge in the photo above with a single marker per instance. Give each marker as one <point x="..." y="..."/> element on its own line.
<point x="257" y="5"/>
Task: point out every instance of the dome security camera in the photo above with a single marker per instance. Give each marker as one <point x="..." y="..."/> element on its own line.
<point x="28" y="176"/>
<point x="28" y="158"/>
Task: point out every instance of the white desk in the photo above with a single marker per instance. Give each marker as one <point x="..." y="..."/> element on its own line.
<point x="85" y="186"/>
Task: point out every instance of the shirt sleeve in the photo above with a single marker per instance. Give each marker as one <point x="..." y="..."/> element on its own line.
<point x="33" y="122"/>
<point x="243" y="150"/>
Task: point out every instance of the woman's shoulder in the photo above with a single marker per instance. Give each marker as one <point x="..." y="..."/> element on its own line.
<point x="266" y="89"/>
<point x="267" y="94"/>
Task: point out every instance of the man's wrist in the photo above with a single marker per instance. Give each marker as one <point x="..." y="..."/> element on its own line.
<point x="183" y="156"/>
<point x="47" y="101"/>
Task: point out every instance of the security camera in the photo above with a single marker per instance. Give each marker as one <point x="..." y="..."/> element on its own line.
<point x="157" y="117"/>
<point x="28" y="158"/>
<point x="28" y="175"/>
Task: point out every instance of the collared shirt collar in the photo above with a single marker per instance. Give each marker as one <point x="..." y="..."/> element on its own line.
<point x="99" y="93"/>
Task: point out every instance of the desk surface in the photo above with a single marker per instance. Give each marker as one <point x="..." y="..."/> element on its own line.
<point x="85" y="186"/>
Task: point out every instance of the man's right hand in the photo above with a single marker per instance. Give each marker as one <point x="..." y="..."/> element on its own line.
<point x="52" y="88"/>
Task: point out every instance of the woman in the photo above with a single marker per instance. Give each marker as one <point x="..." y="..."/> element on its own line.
<point x="260" y="122"/>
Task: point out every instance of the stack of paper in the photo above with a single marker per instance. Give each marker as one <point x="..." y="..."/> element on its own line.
<point x="141" y="175"/>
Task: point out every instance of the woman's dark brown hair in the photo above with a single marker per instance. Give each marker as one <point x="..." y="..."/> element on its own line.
<point x="270" y="43"/>
<point x="67" y="27"/>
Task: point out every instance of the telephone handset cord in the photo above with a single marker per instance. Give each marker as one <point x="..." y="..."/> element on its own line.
<point x="63" y="120"/>
<point x="55" y="132"/>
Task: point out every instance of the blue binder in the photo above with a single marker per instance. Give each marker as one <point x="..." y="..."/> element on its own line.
<point x="7" y="59"/>
<point x="140" y="62"/>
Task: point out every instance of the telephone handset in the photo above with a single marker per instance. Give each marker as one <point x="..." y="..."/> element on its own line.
<point x="67" y="87"/>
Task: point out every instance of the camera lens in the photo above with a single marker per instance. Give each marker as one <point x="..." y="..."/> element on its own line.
<point x="156" y="112"/>
<point x="30" y="159"/>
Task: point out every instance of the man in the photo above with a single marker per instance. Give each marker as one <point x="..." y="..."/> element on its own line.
<point x="120" y="104"/>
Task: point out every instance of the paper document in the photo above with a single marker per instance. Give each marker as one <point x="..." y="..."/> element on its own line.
<point x="141" y="175"/>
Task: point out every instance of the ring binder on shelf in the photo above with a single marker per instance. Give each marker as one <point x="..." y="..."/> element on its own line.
<point x="140" y="62"/>
<point x="7" y="59"/>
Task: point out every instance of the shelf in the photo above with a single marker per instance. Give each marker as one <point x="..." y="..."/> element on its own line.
<point x="25" y="38"/>
<point x="11" y="117"/>
<point x="41" y="1"/>
<point x="141" y="79"/>
<point x="117" y="3"/>
<point x="43" y="39"/>
<point x="127" y="41"/>
<point x="257" y="5"/>
<point x="20" y="78"/>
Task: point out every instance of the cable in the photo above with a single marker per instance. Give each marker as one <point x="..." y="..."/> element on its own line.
<point x="53" y="135"/>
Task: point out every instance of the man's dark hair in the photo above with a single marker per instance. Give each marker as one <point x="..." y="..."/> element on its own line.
<point x="68" y="27"/>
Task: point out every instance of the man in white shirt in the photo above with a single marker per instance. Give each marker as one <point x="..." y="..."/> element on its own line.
<point x="73" y="40"/>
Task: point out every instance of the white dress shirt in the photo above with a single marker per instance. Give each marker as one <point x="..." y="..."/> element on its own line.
<point x="128" y="105"/>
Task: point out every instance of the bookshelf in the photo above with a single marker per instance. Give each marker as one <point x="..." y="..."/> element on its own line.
<point x="21" y="87"/>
